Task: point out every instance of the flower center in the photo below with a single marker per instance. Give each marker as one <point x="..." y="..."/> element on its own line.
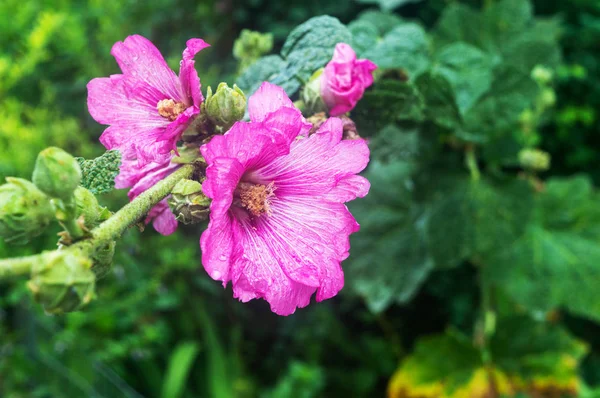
<point x="170" y="109"/>
<point x="256" y="198"/>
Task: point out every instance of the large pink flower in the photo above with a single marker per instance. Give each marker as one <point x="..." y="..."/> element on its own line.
<point x="140" y="178"/>
<point x="148" y="106"/>
<point x="279" y="227"/>
<point x="345" y="79"/>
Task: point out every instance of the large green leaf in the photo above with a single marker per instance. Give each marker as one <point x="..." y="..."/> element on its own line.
<point x="264" y="69"/>
<point x="440" y="104"/>
<point x="557" y="262"/>
<point x="383" y="21"/>
<point x="469" y="71"/>
<point x="364" y="35"/>
<point x="477" y="218"/>
<point x="405" y="47"/>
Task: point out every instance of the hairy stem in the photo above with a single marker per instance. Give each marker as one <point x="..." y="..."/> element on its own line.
<point x="110" y="229"/>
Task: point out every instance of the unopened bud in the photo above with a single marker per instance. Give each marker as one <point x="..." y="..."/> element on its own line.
<point x="25" y="211"/>
<point x="225" y="107"/>
<point x="534" y="159"/>
<point x="541" y="74"/>
<point x="311" y="94"/>
<point x="62" y="281"/>
<point x="88" y="207"/>
<point x="56" y="173"/>
<point x="102" y="260"/>
<point x="188" y="203"/>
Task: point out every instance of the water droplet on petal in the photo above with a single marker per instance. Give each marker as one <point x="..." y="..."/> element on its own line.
<point x="215" y="274"/>
<point x="318" y="248"/>
<point x="241" y="153"/>
<point x="222" y="257"/>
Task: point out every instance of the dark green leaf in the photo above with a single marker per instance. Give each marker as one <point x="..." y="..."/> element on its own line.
<point x="440" y="104"/>
<point x="364" y="36"/>
<point x="405" y="47"/>
<point x="383" y="21"/>
<point x="388" y="102"/>
<point x="98" y="175"/>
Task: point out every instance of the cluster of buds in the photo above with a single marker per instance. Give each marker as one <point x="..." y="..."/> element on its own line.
<point x="225" y="107"/>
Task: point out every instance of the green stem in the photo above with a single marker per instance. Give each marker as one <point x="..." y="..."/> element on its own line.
<point x="12" y="267"/>
<point x="471" y="163"/>
<point x="488" y="329"/>
<point x="110" y="229"/>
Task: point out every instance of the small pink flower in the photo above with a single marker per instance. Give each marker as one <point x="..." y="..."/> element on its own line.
<point x="140" y="178"/>
<point x="147" y="107"/>
<point x="345" y="79"/>
<point x="279" y="227"/>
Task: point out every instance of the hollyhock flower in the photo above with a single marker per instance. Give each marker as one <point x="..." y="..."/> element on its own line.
<point x="148" y="107"/>
<point x="345" y="79"/>
<point x="279" y="227"/>
<point x="140" y="178"/>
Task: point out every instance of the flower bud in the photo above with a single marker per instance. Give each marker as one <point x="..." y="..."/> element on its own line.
<point x="25" y="211"/>
<point x="188" y="203"/>
<point x="250" y="46"/>
<point x="62" y="282"/>
<point x="541" y="74"/>
<point x="102" y="260"/>
<point x="534" y="159"/>
<point x="225" y="107"/>
<point x="548" y="98"/>
<point x="311" y="94"/>
<point x="56" y="173"/>
<point x="88" y="207"/>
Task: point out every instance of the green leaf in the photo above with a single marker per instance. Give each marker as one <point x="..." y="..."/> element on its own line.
<point x="477" y="218"/>
<point x="309" y="47"/>
<point x="405" y="47"/>
<point x="180" y="365"/>
<point x="440" y="104"/>
<point x="383" y="21"/>
<point x="98" y="175"/>
<point x="452" y="26"/>
<point x="468" y="70"/>
<point x="388" y="5"/>
<point x="389" y="101"/>
<point x="389" y="260"/>
<point x="364" y="36"/>
<point x="556" y="262"/>
<point x="498" y="111"/>
<point x="264" y="69"/>
<point x="301" y="380"/>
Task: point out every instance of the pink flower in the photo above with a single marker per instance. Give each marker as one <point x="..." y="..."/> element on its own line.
<point x="345" y="79"/>
<point x="279" y="227"/>
<point x="140" y="178"/>
<point x="147" y="107"/>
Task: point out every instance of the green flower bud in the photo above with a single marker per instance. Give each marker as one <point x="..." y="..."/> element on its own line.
<point x="311" y="94"/>
<point x="541" y="74"/>
<point x="56" y="173"/>
<point x="534" y="159"/>
<point x="103" y="260"/>
<point x="25" y="211"/>
<point x="88" y="207"/>
<point x="62" y="282"/>
<point x="188" y="203"/>
<point x="225" y="107"/>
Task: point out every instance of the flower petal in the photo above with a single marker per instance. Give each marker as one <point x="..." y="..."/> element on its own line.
<point x="317" y="164"/>
<point x="267" y="99"/>
<point x="138" y="57"/>
<point x="163" y="221"/>
<point x="190" y="82"/>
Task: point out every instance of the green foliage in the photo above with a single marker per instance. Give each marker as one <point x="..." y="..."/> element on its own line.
<point x="98" y="175"/>
<point x="180" y="365"/>
<point x="307" y="48"/>
<point x="388" y="5"/>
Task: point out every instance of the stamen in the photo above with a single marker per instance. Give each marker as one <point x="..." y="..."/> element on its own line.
<point x="170" y="109"/>
<point x="256" y="198"/>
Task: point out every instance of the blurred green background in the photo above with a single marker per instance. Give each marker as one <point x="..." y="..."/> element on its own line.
<point x="419" y="297"/>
